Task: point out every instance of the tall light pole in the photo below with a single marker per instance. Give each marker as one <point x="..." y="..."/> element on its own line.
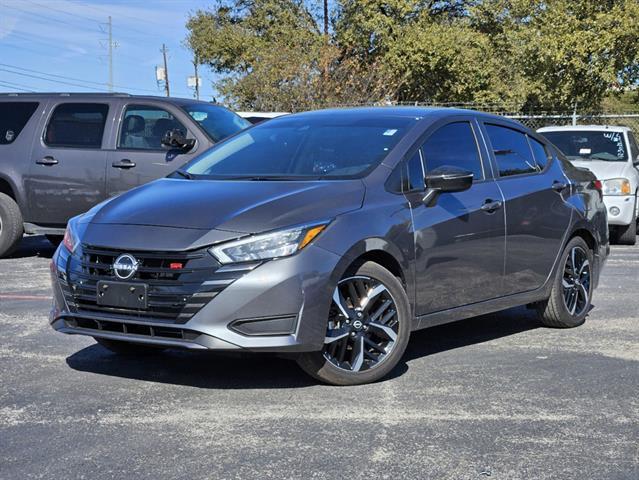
<point x="167" y="88"/>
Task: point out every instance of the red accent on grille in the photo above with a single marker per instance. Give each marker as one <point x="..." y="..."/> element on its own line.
<point x="176" y="266"/>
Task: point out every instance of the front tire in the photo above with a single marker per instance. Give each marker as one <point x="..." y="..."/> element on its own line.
<point x="569" y="300"/>
<point x="368" y="329"/>
<point x="11" y="228"/>
<point x="127" y="348"/>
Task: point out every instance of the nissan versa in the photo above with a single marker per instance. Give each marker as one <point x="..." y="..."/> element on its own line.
<point x="331" y="235"/>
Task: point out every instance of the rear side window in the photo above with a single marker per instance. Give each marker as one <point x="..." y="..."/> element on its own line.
<point x="511" y="150"/>
<point x="453" y="145"/>
<point x="539" y="153"/>
<point x="77" y="125"/>
<point x="13" y="117"/>
<point x="144" y="126"/>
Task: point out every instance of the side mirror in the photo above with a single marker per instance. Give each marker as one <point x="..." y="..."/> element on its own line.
<point x="175" y="139"/>
<point x="446" y="179"/>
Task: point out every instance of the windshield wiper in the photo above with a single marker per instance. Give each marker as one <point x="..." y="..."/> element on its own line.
<point x="184" y="174"/>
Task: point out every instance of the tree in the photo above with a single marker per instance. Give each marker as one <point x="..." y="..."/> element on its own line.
<point x="527" y="54"/>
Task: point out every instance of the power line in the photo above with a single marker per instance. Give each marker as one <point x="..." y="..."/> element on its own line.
<point x="49" y="79"/>
<point x="16" y="86"/>
<point x="53" y="19"/>
<point x="74" y="79"/>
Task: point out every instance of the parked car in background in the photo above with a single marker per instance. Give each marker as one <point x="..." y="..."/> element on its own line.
<point x="331" y="235"/>
<point x="259" y="117"/>
<point x="61" y="154"/>
<point x="612" y="154"/>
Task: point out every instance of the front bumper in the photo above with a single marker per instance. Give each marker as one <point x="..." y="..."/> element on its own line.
<point x="624" y="204"/>
<point x="280" y="305"/>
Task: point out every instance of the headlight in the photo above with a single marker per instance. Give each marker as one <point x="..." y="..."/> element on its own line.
<point x="281" y="243"/>
<point x="616" y="186"/>
<point x="70" y="240"/>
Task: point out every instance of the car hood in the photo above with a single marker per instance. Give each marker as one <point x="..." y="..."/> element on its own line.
<point x="605" y="170"/>
<point x="232" y="206"/>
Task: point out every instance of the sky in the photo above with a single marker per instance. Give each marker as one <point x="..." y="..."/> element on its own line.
<point x="61" y="46"/>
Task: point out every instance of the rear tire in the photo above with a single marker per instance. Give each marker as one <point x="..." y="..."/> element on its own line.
<point x="367" y="337"/>
<point x="11" y="227"/>
<point x="569" y="300"/>
<point x="627" y="234"/>
<point x="127" y="348"/>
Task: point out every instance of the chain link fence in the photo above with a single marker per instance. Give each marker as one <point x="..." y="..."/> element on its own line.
<point x="536" y="120"/>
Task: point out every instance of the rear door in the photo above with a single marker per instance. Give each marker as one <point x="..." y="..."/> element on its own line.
<point x="67" y="172"/>
<point x="537" y="216"/>
<point x="459" y="240"/>
<point x="139" y="157"/>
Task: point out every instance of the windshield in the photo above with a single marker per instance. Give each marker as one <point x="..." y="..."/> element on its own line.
<point x="217" y="122"/>
<point x="590" y="145"/>
<point x="314" y="146"/>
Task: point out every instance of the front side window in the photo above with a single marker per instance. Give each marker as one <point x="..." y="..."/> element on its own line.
<point x="13" y="117"/>
<point x="77" y="125"/>
<point x="590" y="145"/>
<point x="453" y="145"/>
<point x="143" y="127"/>
<point x="512" y="151"/>
<point x="217" y="122"/>
<point x="311" y="146"/>
<point x="634" y="149"/>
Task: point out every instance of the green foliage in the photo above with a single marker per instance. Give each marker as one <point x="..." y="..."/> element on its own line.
<point x="527" y="54"/>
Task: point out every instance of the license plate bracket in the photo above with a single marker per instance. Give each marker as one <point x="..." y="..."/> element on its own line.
<point x="122" y="295"/>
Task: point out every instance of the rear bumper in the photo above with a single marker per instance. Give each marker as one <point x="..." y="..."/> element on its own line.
<point x="625" y="205"/>
<point x="280" y="306"/>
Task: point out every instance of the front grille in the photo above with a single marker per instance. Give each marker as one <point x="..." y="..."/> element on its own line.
<point x="132" y="328"/>
<point x="174" y="295"/>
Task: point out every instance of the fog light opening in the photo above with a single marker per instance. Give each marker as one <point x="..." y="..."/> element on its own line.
<point x="614" y="211"/>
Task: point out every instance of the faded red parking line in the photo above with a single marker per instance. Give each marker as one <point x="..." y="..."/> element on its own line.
<point x="10" y="296"/>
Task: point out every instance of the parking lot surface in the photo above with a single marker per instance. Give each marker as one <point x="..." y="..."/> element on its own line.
<point x="497" y="396"/>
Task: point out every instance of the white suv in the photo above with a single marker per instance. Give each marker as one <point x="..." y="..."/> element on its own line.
<point x="611" y="153"/>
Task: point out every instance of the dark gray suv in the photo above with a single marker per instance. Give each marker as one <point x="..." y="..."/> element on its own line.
<point x="332" y="235"/>
<point x="60" y="154"/>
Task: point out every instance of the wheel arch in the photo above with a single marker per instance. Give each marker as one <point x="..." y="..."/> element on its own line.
<point x="384" y="253"/>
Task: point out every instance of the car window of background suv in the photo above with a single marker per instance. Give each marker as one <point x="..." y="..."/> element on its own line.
<point x="143" y="127"/>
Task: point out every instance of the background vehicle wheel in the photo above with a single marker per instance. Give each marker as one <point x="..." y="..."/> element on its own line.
<point x="11" y="228"/>
<point x="367" y="330"/>
<point x="627" y="234"/>
<point x="55" y="240"/>
<point x="569" y="300"/>
<point x="127" y="348"/>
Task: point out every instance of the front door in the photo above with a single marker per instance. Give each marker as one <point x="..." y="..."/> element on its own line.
<point x="459" y="240"/>
<point x="139" y="157"/>
<point x="67" y="172"/>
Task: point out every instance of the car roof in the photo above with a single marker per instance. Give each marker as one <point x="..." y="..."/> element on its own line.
<point x="106" y="96"/>
<point x="585" y="128"/>
<point x="261" y="114"/>
<point x="434" y="113"/>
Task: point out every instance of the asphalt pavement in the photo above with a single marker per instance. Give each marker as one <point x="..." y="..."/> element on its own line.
<point x="497" y="397"/>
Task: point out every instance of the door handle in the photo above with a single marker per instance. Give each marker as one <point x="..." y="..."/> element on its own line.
<point x="559" y="186"/>
<point x="48" y="161"/>
<point x="125" y="164"/>
<point x="491" y="206"/>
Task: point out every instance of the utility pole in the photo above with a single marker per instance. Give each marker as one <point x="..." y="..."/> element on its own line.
<point x="197" y="78"/>
<point x="110" y="85"/>
<point x="166" y="72"/>
<point x="326" y="17"/>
